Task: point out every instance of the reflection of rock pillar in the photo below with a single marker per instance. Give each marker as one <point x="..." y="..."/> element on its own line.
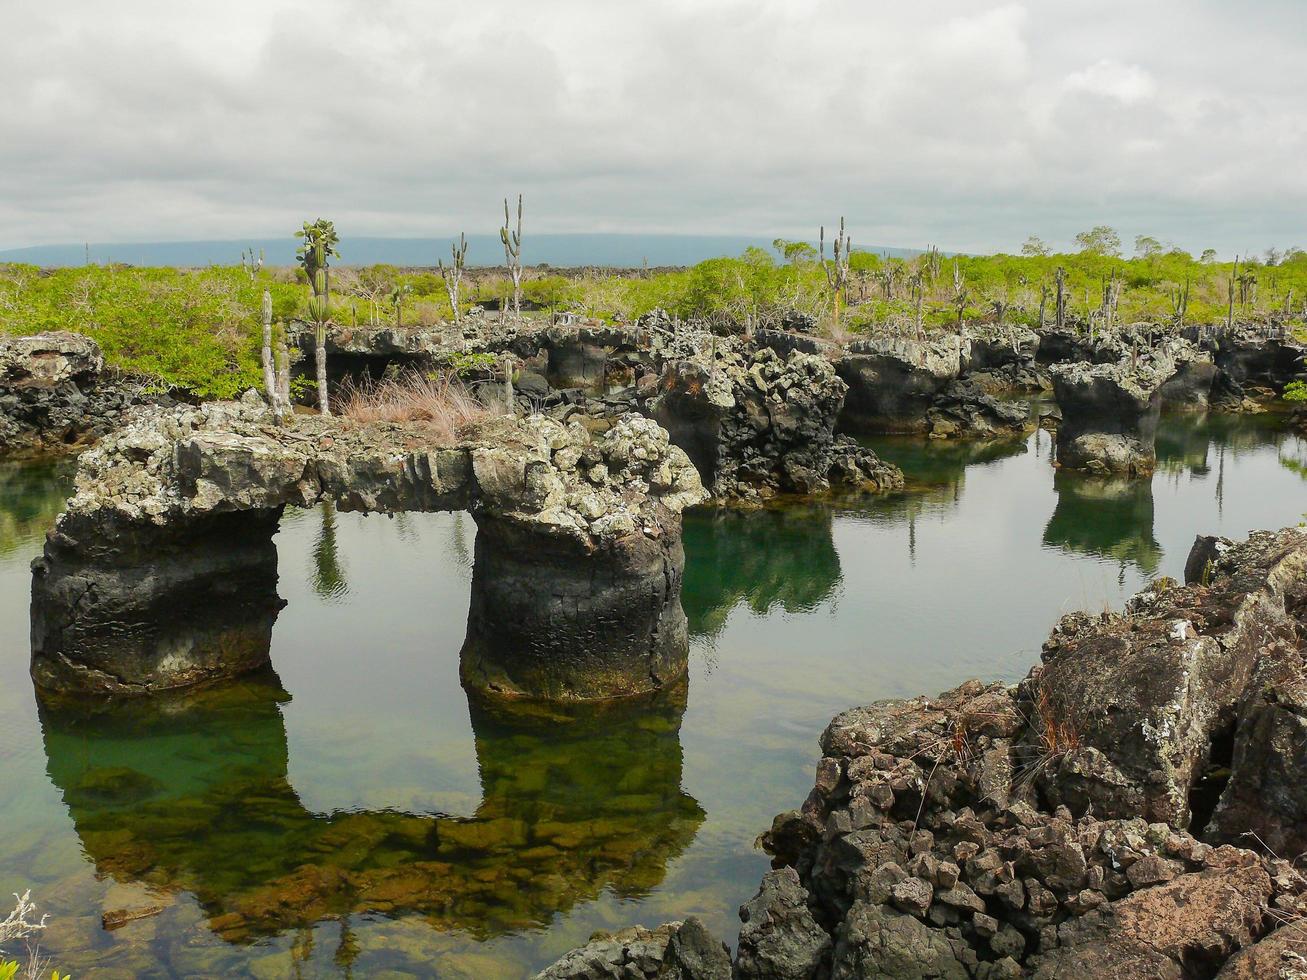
<point x="136" y="609"/>
<point x="549" y="621"/>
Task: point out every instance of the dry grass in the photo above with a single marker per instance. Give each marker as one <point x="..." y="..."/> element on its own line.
<point x="439" y="402"/>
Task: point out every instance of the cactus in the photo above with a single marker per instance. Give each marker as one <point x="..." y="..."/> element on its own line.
<point x="314" y="256"/>
<point x="1180" y="302"/>
<point x="837" y="270"/>
<point x="960" y="293"/>
<point x="1059" y="305"/>
<point x="453" y="275"/>
<point x="512" y="241"/>
<point x="269" y="371"/>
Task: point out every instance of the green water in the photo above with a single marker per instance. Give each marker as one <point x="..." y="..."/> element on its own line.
<point x="350" y="812"/>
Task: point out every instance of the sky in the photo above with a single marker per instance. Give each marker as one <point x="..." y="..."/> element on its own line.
<point x="966" y="124"/>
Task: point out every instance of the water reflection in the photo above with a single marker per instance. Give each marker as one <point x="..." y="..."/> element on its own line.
<point x="774" y="558"/>
<point x="1111" y="518"/>
<point x="33" y="495"/>
<point x="192" y="793"/>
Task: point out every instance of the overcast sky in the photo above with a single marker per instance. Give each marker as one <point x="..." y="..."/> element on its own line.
<point x="963" y="123"/>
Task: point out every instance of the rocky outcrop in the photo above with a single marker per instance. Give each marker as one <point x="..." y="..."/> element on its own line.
<point x="893" y="381"/>
<point x="993" y="347"/>
<point x="672" y="951"/>
<point x="1254" y="358"/>
<point x="578" y="594"/>
<point x="55" y="395"/>
<point x="760" y="424"/>
<point x="1089" y="821"/>
<point x="965" y="409"/>
<point x="1110" y="413"/>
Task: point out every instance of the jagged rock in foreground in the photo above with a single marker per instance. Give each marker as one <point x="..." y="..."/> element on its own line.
<point x="673" y="951"/>
<point x="1091" y="821"/>
<point x="1110" y="413"/>
<point x="763" y="423"/>
<point x="54" y="395"/>
<point x="576" y="586"/>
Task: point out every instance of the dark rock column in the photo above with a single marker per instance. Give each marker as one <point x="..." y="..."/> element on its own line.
<point x="549" y="621"/>
<point x="139" y="609"/>
<point x="1109" y="415"/>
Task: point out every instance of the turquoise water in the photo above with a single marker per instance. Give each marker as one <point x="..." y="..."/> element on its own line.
<point x="350" y="812"/>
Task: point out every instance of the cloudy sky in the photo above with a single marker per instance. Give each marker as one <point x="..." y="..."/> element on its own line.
<point x="964" y="123"/>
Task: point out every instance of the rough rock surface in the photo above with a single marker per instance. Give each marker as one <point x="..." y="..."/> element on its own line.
<point x="1064" y="827"/>
<point x="893" y="381"/>
<point x="1110" y="412"/>
<point x="580" y="551"/>
<point x="965" y="409"/>
<point x="673" y="951"/>
<point x="763" y="423"/>
<point x="54" y="394"/>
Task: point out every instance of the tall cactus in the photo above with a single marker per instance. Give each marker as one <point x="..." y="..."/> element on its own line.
<point x="269" y="370"/>
<point x="512" y="241"/>
<point x="453" y="275"/>
<point x="314" y="256"/>
<point x="837" y="271"/>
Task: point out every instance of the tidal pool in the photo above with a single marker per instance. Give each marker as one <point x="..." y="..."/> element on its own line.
<point x="350" y="811"/>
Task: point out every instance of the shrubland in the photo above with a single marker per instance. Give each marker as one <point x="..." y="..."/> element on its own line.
<point x="198" y="330"/>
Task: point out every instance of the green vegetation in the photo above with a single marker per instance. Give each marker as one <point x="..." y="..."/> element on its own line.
<point x="199" y="330"/>
<point x="1295" y="391"/>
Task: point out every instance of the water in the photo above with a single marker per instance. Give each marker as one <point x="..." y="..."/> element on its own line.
<point x="352" y="812"/>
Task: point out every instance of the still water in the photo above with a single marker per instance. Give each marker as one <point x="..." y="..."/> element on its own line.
<point x="352" y="813"/>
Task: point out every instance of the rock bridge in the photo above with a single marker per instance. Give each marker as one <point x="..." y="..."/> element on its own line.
<point x="162" y="571"/>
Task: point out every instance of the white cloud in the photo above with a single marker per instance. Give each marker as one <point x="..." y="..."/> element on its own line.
<point x="1126" y="83"/>
<point x="967" y="123"/>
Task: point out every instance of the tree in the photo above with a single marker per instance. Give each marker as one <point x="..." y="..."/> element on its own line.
<point x="1034" y="245"/>
<point x="1147" y="247"/>
<point x="1208" y="256"/>
<point x="314" y="256"/>
<point x="1099" y="240"/>
<point x="795" y="253"/>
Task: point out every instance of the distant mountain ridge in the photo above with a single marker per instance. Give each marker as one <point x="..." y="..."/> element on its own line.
<point x="623" y="251"/>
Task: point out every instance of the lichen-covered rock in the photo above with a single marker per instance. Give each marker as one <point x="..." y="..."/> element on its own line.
<point x="965" y="409"/>
<point x="577" y="593"/>
<point x="54" y="394"/>
<point x="673" y="951"/>
<point x="779" y="938"/>
<point x="764" y="423"/>
<point x="1110" y="412"/>
<point x="1039" y="829"/>
<point x="893" y="381"/>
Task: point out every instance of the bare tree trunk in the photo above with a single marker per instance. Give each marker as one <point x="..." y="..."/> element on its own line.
<point x="283" y="380"/>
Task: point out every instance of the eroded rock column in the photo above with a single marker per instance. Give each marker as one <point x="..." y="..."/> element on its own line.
<point x="1109" y="414"/>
